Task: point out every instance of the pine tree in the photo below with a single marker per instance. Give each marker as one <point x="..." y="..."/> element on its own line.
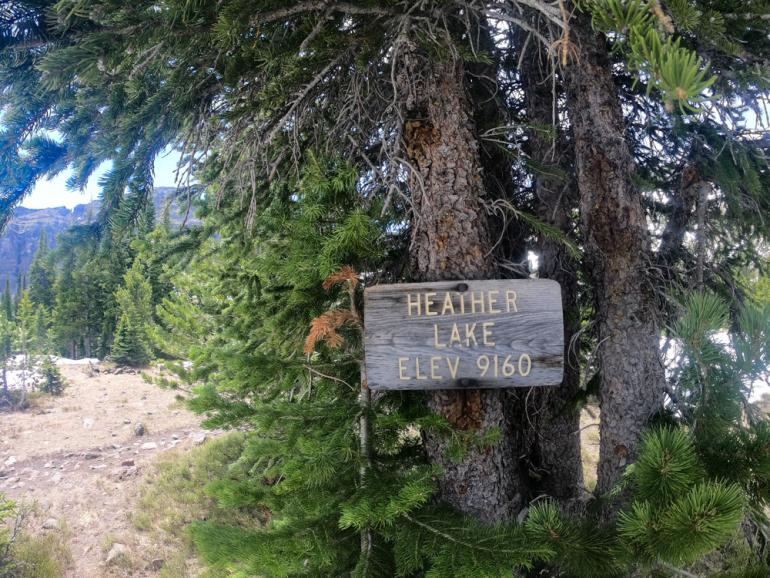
<point x="41" y="329"/>
<point x="26" y="344"/>
<point x="8" y="308"/>
<point x="132" y="341"/>
<point x="51" y="380"/>
<point x="26" y="334"/>
<point x="19" y="294"/>
<point x="91" y="269"/>
<point x="6" y="353"/>
<point x="302" y="463"/>
<point x="41" y="275"/>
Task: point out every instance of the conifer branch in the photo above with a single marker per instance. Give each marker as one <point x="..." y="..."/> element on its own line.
<point x="315" y="372"/>
<point x="677" y="571"/>
<point x="300" y="98"/>
<point x="494" y="15"/>
<point x="550" y="10"/>
<point x="746" y="16"/>
<point x="313" y="33"/>
<point x="322" y="6"/>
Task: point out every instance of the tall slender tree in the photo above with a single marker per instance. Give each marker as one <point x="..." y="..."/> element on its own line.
<point x="132" y="344"/>
<point x="8" y="300"/>
<point x="42" y="275"/>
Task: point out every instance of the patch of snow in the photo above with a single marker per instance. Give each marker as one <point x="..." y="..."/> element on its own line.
<point x="67" y="361"/>
<point x="22" y="379"/>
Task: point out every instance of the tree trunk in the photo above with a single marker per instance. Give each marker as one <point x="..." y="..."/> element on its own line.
<point x="617" y="252"/>
<point x="682" y="205"/>
<point x="554" y="419"/>
<point x="6" y="391"/>
<point x="451" y="240"/>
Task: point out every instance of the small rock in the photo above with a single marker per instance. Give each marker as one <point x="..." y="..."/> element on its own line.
<point x="48" y="465"/>
<point x="88" y="423"/>
<point x="116" y="552"/>
<point x="120" y="474"/>
<point x="156" y="565"/>
<point x="98" y="467"/>
<point x="200" y="439"/>
<point x="56" y="478"/>
<point x="50" y="524"/>
<point x="127" y="463"/>
<point x="91" y="456"/>
<point x="149" y="446"/>
<point x="139" y="429"/>
<point x="174" y="437"/>
<point x="10" y="462"/>
<point x="126" y="421"/>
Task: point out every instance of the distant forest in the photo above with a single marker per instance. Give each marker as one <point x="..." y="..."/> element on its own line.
<point x="19" y="240"/>
<point x="67" y="277"/>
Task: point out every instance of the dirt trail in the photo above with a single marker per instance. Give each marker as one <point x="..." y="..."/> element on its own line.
<point x="79" y="459"/>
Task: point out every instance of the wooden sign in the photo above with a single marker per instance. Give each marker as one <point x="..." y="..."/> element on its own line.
<point x="464" y="334"/>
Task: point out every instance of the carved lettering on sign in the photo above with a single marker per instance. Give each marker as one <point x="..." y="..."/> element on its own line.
<point x="469" y="334"/>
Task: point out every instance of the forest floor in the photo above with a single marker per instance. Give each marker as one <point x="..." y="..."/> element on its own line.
<point x="79" y="463"/>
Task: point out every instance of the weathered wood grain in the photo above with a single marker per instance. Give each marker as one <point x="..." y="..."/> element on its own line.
<point x="518" y="337"/>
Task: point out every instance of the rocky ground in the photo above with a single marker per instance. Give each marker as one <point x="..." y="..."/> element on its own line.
<point x="80" y="459"/>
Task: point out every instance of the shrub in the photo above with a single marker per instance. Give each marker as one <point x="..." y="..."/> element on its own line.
<point x="8" y="532"/>
<point x="52" y="382"/>
<point x="41" y="556"/>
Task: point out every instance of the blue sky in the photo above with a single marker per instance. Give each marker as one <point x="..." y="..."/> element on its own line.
<point x="54" y="193"/>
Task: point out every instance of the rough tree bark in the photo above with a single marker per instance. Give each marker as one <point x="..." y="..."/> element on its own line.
<point x="618" y="252"/>
<point x="554" y="421"/>
<point x="451" y="240"/>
